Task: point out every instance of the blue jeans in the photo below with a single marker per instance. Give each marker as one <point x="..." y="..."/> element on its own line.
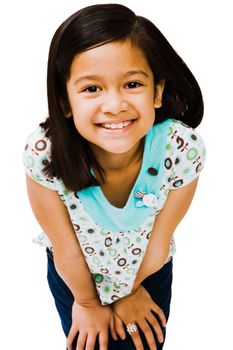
<point x="158" y="285"/>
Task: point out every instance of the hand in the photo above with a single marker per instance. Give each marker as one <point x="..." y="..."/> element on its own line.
<point x="89" y="320"/>
<point x="137" y="308"/>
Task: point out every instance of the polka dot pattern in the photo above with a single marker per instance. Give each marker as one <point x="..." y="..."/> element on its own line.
<point x="114" y="258"/>
<point x="189" y="150"/>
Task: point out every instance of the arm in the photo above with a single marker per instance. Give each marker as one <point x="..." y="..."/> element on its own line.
<point x="54" y="219"/>
<point x="138" y="305"/>
<point x="89" y="317"/>
<point x="174" y="210"/>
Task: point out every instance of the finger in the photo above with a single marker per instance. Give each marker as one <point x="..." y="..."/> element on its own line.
<point x="90" y="341"/>
<point x="112" y="328"/>
<point x="103" y="341"/>
<point x="145" y="328"/>
<point x="119" y="327"/>
<point x="70" y="338"/>
<point x="81" y="341"/>
<point x="137" y="340"/>
<point x="156" y="326"/>
<point x="160" y="313"/>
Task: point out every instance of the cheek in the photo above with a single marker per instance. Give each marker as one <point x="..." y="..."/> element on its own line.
<point x="77" y="110"/>
<point x="83" y="108"/>
<point x="75" y="101"/>
<point x="145" y="101"/>
<point x="146" y="107"/>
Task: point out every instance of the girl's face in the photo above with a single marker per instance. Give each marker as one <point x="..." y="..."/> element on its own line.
<point x="112" y="96"/>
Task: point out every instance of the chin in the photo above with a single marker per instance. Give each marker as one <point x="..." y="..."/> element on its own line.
<point x="118" y="149"/>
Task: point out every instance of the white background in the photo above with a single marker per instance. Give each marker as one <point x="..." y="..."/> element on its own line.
<point x="202" y="290"/>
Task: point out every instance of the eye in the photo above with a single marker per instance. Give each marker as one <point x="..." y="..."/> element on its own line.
<point x="92" y="89"/>
<point x="133" y="85"/>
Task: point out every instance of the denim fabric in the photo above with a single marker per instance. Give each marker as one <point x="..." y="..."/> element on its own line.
<point x="158" y="285"/>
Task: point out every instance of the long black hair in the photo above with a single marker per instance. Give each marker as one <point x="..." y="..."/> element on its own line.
<point x="92" y="26"/>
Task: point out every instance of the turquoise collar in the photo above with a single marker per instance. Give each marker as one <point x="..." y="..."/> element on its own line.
<point x="144" y="196"/>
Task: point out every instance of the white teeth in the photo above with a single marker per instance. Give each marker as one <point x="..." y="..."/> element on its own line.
<point x="120" y="125"/>
<point x="116" y="126"/>
<point x="106" y="125"/>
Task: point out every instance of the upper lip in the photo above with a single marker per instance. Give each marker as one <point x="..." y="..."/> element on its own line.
<point x="116" y="121"/>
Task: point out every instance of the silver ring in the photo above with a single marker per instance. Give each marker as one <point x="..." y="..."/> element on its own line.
<point x="131" y="328"/>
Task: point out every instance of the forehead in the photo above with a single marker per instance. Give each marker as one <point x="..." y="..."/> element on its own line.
<point x="114" y="58"/>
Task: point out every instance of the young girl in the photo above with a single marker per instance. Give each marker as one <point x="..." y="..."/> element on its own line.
<point x="111" y="173"/>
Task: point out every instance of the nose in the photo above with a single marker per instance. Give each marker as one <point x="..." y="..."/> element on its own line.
<point x="114" y="104"/>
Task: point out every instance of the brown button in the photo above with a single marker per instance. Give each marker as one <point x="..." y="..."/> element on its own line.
<point x="153" y="171"/>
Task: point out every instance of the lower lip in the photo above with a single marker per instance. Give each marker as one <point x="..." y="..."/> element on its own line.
<point x="117" y="131"/>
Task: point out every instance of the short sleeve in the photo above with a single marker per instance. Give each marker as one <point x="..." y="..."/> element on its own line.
<point x="36" y="156"/>
<point x="189" y="156"/>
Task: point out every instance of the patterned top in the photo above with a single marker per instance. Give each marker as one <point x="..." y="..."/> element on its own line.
<point x="114" y="240"/>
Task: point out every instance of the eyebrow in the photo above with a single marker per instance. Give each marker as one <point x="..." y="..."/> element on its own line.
<point x="98" y="77"/>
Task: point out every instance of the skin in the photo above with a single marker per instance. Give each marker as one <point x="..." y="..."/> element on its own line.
<point x="110" y="84"/>
<point x="114" y="94"/>
<point x="53" y="218"/>
<point x="137" y="307"/>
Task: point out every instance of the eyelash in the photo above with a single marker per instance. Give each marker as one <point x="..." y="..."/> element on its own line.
<point x="96" y="87"/>
<point x="135" y="82"/>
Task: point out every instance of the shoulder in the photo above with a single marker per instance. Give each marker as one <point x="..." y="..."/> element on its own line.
<point x="183" y="137"/>
<point x="186" y="153"/>
<point x="37" y="149"/>
<point x="176" y="133"/>
<point x="37" y="140"/>
<point x="36" y="156"/>
<point x="181" y="129"/>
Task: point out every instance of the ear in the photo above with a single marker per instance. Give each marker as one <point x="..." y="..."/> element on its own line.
<point x="68" y="115"/>
<point x="66" y="109"/>
<point x="159" y="93"/>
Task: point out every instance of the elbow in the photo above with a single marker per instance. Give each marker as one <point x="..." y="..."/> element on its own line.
<point x="154" y="261"/>
<point x="162" y="257"/>
<point x="161" y="253"/>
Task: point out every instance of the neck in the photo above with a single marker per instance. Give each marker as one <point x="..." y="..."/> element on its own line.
<point x="113" y="163"/>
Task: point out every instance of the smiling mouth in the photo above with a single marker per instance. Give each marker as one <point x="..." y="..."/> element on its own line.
<point x="114" y="126"/>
